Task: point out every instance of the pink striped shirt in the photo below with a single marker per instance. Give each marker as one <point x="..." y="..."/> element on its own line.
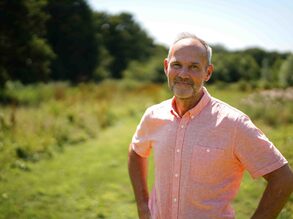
<point x="200" y="157"/>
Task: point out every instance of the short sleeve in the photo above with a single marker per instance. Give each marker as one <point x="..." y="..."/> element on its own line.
<point x="140" y="141"/>
<point x="254" y="150"/>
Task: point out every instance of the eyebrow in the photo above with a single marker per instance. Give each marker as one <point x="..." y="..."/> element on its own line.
<point x="192" y="63"/>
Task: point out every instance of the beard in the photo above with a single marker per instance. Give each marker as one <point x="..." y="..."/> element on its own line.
<point x="184" y="88"/>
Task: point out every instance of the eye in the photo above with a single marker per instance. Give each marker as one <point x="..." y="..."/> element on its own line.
<point x="176" y="65"/>
<point x="194" y="67"/>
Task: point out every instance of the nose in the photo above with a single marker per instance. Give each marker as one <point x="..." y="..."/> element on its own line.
<point x="183" y="73"/>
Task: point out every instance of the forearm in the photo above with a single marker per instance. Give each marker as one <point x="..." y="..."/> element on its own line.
<point x="275" y="196"/>
<point x="137" y="168"/>
<point x="271" y="203"/>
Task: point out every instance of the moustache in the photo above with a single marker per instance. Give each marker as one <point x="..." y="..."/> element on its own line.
<point x="183" y="80"/>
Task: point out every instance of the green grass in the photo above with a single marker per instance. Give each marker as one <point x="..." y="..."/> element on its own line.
<point x="89" y="179"/>
<point x="85" y="181"/>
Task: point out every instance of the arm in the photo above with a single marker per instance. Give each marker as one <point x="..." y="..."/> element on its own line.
<point x="276" y="194"/>
<point x="137" y="168"/>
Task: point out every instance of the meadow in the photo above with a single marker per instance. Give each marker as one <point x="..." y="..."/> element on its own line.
<point x="63" y="148"/>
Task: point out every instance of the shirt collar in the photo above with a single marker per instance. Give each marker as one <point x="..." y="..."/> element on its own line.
<point x="205" y="99"/>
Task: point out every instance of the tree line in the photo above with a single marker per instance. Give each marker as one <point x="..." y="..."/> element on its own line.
<point x="52" y="40"/>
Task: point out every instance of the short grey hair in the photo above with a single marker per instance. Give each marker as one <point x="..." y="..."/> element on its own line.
<point x="186" y="35"/>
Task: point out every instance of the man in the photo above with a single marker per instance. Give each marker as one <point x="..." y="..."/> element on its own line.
<point x="201" y="148"/>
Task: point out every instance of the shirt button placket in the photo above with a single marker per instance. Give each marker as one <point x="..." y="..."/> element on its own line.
<point x="177" y="167"/>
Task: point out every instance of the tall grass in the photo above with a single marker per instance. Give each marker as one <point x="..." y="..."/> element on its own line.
<point x="274" y="107"/>
<point x="42" y="118"/>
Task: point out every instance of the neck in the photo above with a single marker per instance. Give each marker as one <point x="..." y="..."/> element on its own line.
<point x="185" y="104"/>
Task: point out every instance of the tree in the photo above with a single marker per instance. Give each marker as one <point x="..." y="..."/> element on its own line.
<point x="149" y="70"/>
<point x="269" y="63"/>
<point x="72" y="36"/>
<point x="258" y="54"/>
<point x="286" y="72"/>
<point x="248" y="68"/>
<point x="25" y="54"/>
<point x="234" y="66"/>
<point x="124" y="40"/>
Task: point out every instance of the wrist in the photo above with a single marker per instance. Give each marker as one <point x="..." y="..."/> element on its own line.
<point x="143" y="210"/>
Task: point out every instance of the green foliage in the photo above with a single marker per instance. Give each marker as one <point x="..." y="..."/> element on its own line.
<point x="232" y="67"/>
<point x="151" y="70"/>
<point x="25" y="54"/>
<point x="71" y="34"/>
<point x="102" y="71"/>
<point x="124" y="40"/>
<point x="254" y="65"/>
<point x="43" y="54"/>
<point x="259" y="55"/>
<point x="17" y="93"/>
<point x="286" y="72"/>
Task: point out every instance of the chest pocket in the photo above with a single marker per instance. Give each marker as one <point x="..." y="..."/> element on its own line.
<point x="207" y="164"/>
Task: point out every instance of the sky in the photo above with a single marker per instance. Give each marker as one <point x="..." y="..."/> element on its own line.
<point x="235" y="24"/>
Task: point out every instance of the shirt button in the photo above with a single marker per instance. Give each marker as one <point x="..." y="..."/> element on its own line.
<point x="177" y="150"/>
<point x="192" y="117"/>
<point x="175" y="199"/>
<point x="182" y="126"/>
<point x="176" y="175"/>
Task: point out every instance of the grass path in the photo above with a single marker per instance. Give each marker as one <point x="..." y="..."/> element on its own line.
<point x="86" y="181"/>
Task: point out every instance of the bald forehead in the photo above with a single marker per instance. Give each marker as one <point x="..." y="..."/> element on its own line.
<point x="188" y="43"/>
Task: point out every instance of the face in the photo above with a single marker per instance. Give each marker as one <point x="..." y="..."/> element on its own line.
<point x="187" y="69"/>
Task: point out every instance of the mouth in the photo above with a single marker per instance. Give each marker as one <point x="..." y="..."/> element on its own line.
<point x="183" y="83"/>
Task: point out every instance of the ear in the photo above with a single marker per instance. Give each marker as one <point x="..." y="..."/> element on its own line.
<point x="209" y="72"/>
<point x="166" y="64"/>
